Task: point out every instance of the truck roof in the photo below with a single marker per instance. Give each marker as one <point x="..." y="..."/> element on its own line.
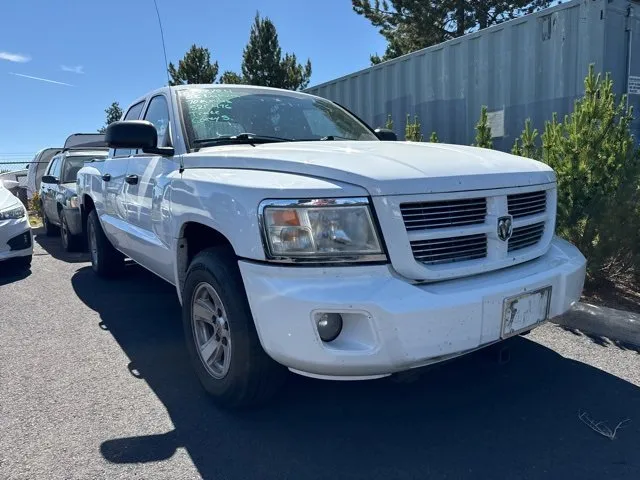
<point x="217" y="86"/>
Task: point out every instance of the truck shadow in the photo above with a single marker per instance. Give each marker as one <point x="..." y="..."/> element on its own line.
<point x="471" y="418"/>
<point x="53" y="246"/>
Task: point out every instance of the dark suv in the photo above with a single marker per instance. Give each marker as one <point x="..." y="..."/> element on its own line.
<point x="60" y="212"/>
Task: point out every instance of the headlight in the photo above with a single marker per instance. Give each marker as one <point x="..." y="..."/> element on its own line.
<point x="323" y="230"/>
<point x="13" y="213"/>
<point x="73" y="201"/>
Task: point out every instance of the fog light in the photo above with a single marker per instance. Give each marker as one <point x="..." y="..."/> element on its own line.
<point x="329" y="326"/>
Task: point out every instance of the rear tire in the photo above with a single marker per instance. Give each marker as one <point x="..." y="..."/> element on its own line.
<point x="50" y="229"/>
<point x="221" y="337"/>
<point x="70" y="243"/>
<point x="106" y="261"/>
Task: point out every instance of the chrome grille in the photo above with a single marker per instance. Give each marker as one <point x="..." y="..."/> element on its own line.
<point x="524" y="237"/>
<point x="525" y="204"/>
<point x="448" y="213"/>
<point x="447" y="250"/>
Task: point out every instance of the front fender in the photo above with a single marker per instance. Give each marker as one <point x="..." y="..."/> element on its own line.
<point x="227" y="200"/>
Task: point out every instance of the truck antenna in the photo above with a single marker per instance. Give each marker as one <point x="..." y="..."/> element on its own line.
<point x="166" y="69"/>
<point x="164" y="48"/>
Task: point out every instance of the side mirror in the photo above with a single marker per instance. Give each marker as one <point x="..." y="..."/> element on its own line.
<point x="386" y="135"/>
<point x="134" y="134"/>
<point x="50" y="179"/>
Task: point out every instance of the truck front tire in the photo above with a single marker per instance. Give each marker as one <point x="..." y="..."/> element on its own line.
<point x="106" y="261"/>
<point x="220" y="334"/>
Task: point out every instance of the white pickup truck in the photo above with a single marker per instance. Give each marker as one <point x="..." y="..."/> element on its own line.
<point x="296" y="236"/>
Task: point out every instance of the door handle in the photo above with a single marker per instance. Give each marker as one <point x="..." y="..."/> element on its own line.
<point x="106" y="177"/>
<point x="131" y="179"/>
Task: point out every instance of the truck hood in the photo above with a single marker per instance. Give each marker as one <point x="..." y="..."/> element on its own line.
<point x="383" y="168"/>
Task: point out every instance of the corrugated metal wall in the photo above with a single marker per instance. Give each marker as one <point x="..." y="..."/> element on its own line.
<point x="526" y="68"/>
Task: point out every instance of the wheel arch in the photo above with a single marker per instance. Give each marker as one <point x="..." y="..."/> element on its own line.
<point x="194" y="237"/>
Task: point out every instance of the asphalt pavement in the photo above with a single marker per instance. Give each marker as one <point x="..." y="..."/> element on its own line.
<point x="95" y="384"/>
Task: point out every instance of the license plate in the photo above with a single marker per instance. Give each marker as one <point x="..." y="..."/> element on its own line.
<point x="522" y="312"/>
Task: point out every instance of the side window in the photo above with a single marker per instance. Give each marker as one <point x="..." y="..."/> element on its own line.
<point x="54" y="167"/>
<point x="132" y="114"/>
<point x="158" y="114"/>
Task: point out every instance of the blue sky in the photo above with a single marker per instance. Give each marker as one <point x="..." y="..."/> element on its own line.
<point x="106" y="51"/>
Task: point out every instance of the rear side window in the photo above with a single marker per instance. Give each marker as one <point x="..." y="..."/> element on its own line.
<point x="132" y="114"/>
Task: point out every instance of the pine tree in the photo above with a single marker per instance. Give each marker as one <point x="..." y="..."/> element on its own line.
<point x="409" y="25"/>
<point x="412" y="130"/>
<point x="483" y="131"/>
<point x="263" y="64"/>
<point x="230" y="78"/>
<point x="525" y="144"/>
<point x="114" y="113"/>
<point x="597" y="164"/>
<point x="389" y="123"/>
<point x="195" y="67"/>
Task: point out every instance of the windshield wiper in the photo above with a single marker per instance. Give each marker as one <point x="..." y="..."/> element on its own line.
<point x="333" y="137"/>
<point x="239" y="139"/>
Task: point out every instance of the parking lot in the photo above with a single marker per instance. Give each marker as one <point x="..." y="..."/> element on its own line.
<point x="96" y="384"/>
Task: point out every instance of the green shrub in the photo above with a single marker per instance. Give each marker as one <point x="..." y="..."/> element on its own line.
<point x="434" y="138"/>
<point x="389" y="123"/>
<point x="525" y="144"/>
<point x="483" y="131"/>
<point x="412" y="130"/>
<point x="35" y="206"/>
<point x="598" y="169"/>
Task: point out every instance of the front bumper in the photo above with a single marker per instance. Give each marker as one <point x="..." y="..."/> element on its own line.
<point x="391" y="325"/>
<point x="16" y="239"/>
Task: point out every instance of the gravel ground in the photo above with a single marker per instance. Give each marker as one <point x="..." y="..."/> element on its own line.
<point x="94" y="383"/>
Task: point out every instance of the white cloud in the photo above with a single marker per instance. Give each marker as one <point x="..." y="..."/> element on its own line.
<point x="40" y="79"/>
<point x="15" y="57"/>
<point x="79" y="69"/>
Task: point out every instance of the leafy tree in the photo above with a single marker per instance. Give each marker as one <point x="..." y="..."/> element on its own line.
<point x="412" y="130"/>
<point x="410" y="25"/>
<point x="114" y="113"/>
<point x="263" y="63"/>
<point x="195" y="67"/>
<point x="483" y="131"/>
<point x="434" y="138"/>
<point x="230" y="78"/>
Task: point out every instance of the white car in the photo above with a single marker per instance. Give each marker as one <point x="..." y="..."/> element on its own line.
<point x="16" y="243"/>
<point x="296" y="238"/>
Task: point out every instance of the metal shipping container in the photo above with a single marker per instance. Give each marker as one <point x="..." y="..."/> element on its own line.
<point x="529" y="67"/>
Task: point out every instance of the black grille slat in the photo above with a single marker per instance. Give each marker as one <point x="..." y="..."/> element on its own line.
<point x="447" y="250"/>
<point x="444" y="214"/>
<point x="525" y="204"/>
<point x="525" y="237"/>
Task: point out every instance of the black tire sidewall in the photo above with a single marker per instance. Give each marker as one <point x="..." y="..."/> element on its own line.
<point x="64" y="233"/>
<point x="220" y="270"/>
<point x="92" y="224"/>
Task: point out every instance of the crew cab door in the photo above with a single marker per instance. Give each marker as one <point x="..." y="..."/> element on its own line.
<point x="147" y="199"/>
<point x="114" y="216"/>
<point x="48" y="190"/>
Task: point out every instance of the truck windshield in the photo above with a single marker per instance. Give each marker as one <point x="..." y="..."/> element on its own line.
<point x="216" y="113"/>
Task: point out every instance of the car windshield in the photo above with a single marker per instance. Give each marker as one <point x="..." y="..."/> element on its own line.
<point x="214" y="113"/>
<point x="72" y="165"/>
